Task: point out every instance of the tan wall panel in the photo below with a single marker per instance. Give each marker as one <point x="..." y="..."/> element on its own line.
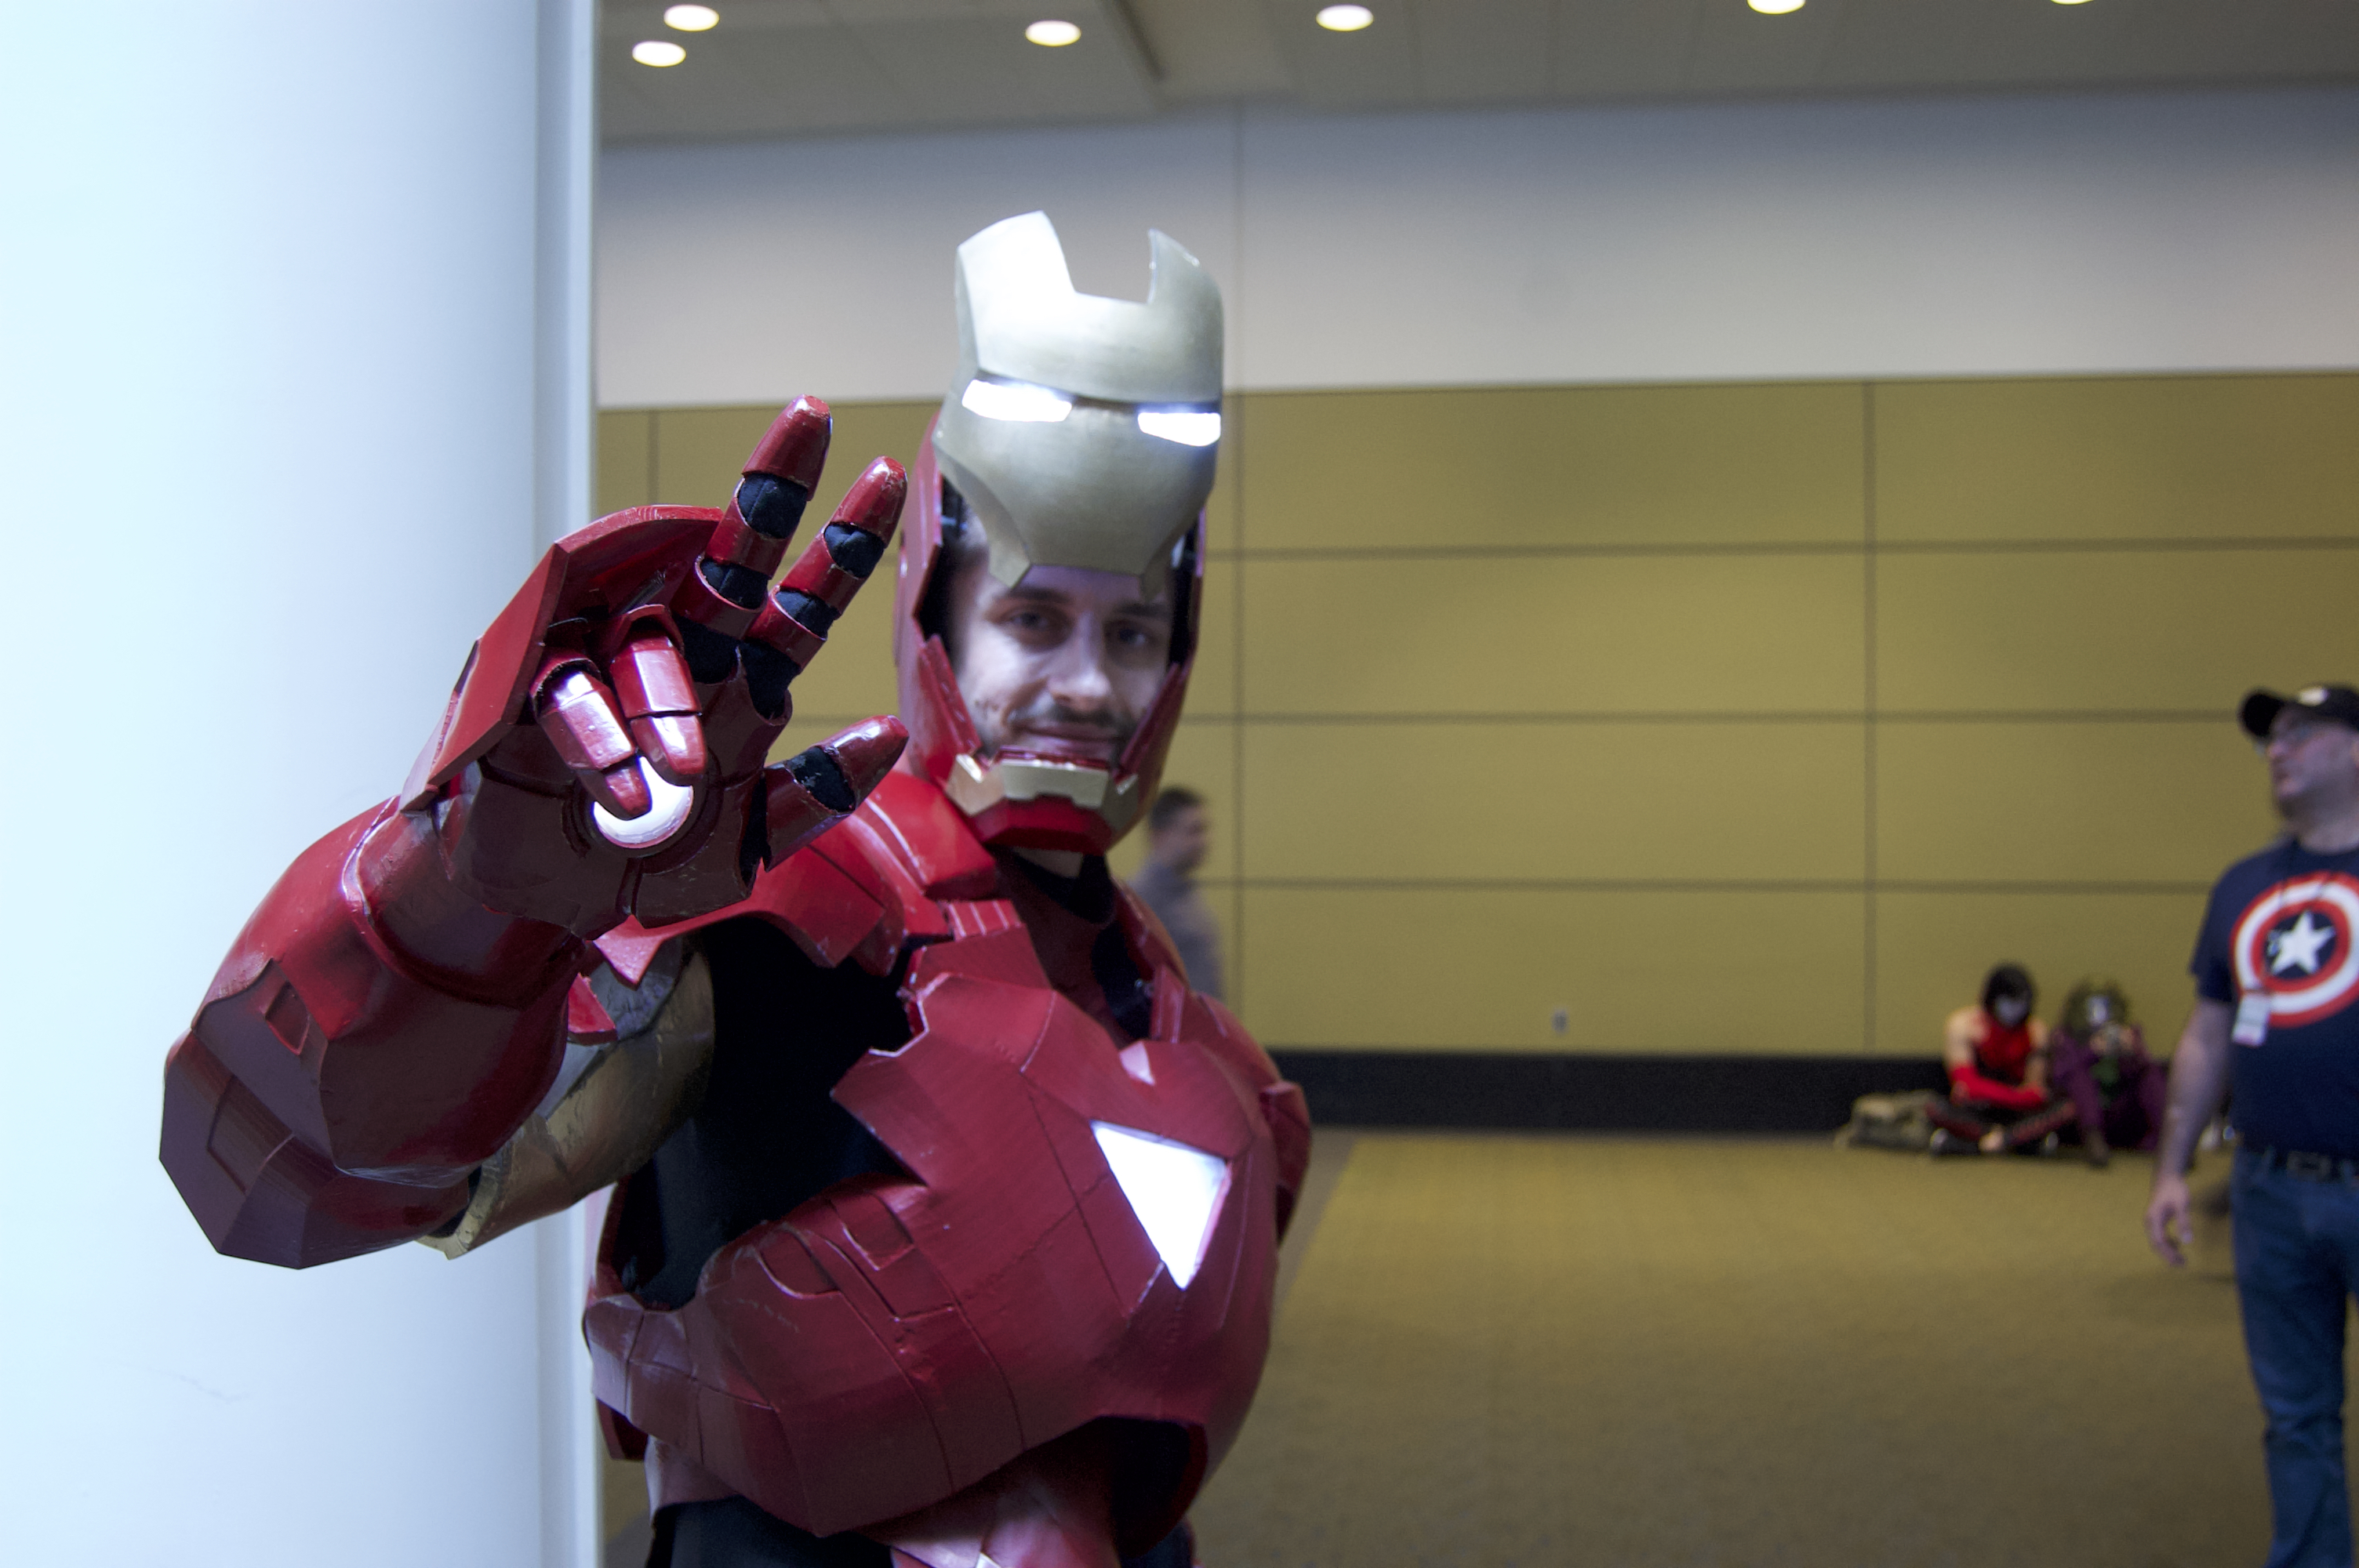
<point x="1718" y="802"/>
<point x="1627" y="634"/>
<point x="624" y="454"/>
<point x="1642" y="465"/>
<point x="865" y="431"/>
<point x="2083" y="630"/>
<point x="1213" y="688"/>
<point x="1771" y="972"/>
<point x="700" y="453"/>
<point x="2066" y="802"/>
<point x="2161" y="456"/>
<point x="1934" y="950"/>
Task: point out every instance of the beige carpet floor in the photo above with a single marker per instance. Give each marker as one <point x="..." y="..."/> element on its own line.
<point x="1515" y="1351"/>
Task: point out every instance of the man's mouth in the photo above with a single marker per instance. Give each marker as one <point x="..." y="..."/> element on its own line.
<point x="1074" y="738"/>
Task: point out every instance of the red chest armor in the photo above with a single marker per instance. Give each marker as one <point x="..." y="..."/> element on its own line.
<point x="1090" y="1231"/>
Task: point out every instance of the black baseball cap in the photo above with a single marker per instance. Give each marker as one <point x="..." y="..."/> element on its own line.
<point x="2260" y="709"/>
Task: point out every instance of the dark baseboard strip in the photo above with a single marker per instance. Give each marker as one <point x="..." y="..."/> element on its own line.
<point x="1591" y="1092"/>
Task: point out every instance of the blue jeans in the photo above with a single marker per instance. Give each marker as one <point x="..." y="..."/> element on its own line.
<point x="2296" y="1264"/>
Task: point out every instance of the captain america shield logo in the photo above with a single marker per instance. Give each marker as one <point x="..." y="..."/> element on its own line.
<point x="2294" y="942"/>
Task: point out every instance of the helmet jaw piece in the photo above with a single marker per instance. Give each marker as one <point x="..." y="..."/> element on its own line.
<point x="1082" y="432"/>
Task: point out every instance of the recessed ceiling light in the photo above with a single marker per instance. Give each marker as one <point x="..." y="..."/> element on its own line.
<point x="657" y="51"/>
<point x="1775" y="7"/>
<point x="1344" y="18"/>
<point x="2071" y="1"/>
<point x="1052" y="35"/>
<point x="691" y="18"/>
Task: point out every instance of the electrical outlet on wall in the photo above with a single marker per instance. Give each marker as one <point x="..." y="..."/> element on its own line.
<point x="1560" y="1022"/>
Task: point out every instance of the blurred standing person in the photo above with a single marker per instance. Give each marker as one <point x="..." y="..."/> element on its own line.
<point x="2276" y="971"/>
<point x="1179" y="832"/>
<point x="1997" y="1056"/>
<point x="2098" y="1057"/>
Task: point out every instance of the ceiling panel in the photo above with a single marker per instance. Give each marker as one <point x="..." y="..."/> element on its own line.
<point x="1469" y="53"/>
<point x="792" y="67"/>
<point x="1622" y="49"/>
<point x="966" y="70"/>
<point x="1213" y="48"/>
<point x="801" y="66"/>
<point x="1372" y="67"/>
<point x="1736" y="49"/>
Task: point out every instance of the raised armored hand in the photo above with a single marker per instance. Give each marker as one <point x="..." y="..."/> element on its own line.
<point x="602" y="754"/>
<point x="399" y="1002"/>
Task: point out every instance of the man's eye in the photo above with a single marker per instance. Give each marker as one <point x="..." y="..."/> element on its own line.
<point x="1031" y="623"/>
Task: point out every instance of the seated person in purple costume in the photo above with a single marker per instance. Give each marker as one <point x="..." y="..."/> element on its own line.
<point x="1997" y="1056"/>
<point x="2097" y="1057"/>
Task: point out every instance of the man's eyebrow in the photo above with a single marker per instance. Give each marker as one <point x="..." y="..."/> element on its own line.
<point x="1034" y="594"/>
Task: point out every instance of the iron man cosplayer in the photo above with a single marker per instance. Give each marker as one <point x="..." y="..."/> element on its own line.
<point x="947" y="1216"/>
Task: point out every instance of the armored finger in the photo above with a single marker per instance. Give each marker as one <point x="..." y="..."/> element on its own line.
<point x="751" y="538"/>
<point x="836" y="563"/>
<point x="795" y="621"/>
<point x="578" y="714"/>
<point x="657" y="696"/>
<point x="820" y="786"/>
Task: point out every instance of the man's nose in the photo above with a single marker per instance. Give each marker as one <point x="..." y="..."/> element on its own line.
<point x="1077" y="676"/>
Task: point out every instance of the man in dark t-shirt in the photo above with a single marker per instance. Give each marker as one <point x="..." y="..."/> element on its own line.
<point x="2277" y="973"/>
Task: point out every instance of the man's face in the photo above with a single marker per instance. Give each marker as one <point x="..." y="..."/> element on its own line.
<point x="1064" y="664"/>
<point x="2309" y="757"/>
<point x="1182" y="843"/>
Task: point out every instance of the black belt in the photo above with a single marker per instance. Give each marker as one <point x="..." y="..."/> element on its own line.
<point x="2307" y="1167"/>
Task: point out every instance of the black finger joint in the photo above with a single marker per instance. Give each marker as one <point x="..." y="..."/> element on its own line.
<point x="768" y="673"/>
<point x="712" y="655"/>
<point x="812" y="614"/>
<point x="856" y="550"/>
<point x="770" y="505"/>
<point x="823" y="775"/>
<point x="741" y="586"/>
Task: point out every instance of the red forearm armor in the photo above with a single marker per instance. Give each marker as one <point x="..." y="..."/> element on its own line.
<point x="339" y="1084"/>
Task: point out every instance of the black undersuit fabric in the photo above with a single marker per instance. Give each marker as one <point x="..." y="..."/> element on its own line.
<point x="734" y="1533"/>
<point x="767" y="1136"/>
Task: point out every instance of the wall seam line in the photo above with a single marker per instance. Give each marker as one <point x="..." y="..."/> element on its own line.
<point x="1868" y="955"/>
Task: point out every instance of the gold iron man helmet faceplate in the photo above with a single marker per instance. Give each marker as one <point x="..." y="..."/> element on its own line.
<point x="1082" y="430"/>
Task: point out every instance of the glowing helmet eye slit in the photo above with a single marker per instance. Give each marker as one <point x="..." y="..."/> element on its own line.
<point x="1017" y="402"/>
<point x="1188" y="427"/>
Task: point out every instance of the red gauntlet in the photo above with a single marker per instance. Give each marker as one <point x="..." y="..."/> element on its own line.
<point x="397" y="1006"/>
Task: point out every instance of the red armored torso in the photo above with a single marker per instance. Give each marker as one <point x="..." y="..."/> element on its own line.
<point x="1087" y="1234"/>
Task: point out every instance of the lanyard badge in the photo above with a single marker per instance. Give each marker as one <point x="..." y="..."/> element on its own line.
<point x="2251" y="1024"/>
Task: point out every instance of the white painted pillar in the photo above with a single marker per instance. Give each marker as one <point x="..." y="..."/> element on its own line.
<point x="293" y="374"/>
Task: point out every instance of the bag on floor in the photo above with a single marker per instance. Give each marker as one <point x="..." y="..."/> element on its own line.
<point x="1889" y="1121"/>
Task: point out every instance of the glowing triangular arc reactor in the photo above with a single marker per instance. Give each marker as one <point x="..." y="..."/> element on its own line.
<point x="1175" y="1191"/>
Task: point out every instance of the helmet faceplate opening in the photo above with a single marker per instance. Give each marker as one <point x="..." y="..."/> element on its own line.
<point x="1012" y="796"/>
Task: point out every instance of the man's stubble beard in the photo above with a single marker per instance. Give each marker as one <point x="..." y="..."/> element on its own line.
<point x="995" y="737"/>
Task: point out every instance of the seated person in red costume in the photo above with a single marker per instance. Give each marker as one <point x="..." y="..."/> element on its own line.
<point x="1996" y="1054"/>
<point x="2097" y="1059"/>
